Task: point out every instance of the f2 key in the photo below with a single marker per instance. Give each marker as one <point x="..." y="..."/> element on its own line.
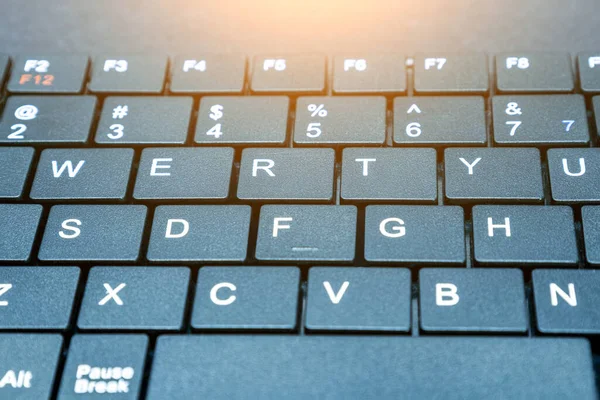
<point x="48" y="74"/>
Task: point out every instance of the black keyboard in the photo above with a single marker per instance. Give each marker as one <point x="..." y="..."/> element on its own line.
<point x="299" y="226"/>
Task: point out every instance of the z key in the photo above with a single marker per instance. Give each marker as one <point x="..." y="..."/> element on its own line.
<point x="48" y="74"/>
<point x="547" y="120"/>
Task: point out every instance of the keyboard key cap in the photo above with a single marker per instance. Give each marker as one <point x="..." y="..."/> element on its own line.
<point x="389" y="174"/>
<point x="200" y="233"/>
<point x="517" y="235"/>
<point x="553" y="119"/>
<point x="286" y="174"/>
<point x="534" y="72"/>
<point x="596" y="108"/>
<point x="144" y="120"/>
<point x="74" y="174"/>
<point x="369" y="73"/>
<point x="337" y="120"/>
<point x="303" y="73"/>
<point x="4" y="67"/>
<point x="306" y="233"/>
<point x="28" y="365"/>
<point x="14" y="167"/>
<point x="242" y="120"/>
<point x="479" y="175"/>
<point x="119" y="73"/>
<point x="168" y="173"/>
<point x="574" y="174"/>
<point x="472" y="300"/>
<point x="588" y="64"/>
<point x="104" y="366"/>
<point x="139" y="298"/>
<point x="42" y="119"/>
<point x="94" y="233"/>
<point x="443" y="120"/>
<point x="37" y="73"/>
<point x="37" y="297"/>
<point x="415" y="234"/>
<point x="451" y="73"/>
<point x="208" y="73"/>
<point x="246" y="298"/>
<point x="591" y="233"/>
<point x="390" y="367"/>
<point x="567" y="301"/>
<point x="358" y="299"/>
<point x="18" y="226"/>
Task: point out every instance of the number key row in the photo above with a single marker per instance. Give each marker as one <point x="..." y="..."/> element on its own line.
<point x="325" y="121"/>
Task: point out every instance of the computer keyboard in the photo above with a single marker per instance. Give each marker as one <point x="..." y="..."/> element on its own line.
<point x="299" y="226"/>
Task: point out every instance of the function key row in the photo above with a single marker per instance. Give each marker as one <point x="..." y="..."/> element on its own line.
<point x="302" y="73"/>
<point x="319" y="120"/>
<point x="471" y="175"/>
<point x="267" y="298"/>
<point x="412" y="235"/>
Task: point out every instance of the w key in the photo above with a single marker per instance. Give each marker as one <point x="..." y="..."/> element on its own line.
<point x="552" y="119"/>
<point x="82" y="174"/>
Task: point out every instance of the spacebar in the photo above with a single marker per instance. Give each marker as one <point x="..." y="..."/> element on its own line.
<point x="366" y="367"/>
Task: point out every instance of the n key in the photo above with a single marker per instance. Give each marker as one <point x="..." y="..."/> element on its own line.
<point x="479" y="175"/>
<point x="48" y="74"/>
<point x="286" y="174"/>
<point x="41" y="119"/>
<point x="74" y="174"/>
<point x="567" y="301"/>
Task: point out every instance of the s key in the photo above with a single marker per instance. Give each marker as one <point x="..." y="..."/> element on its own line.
<point x="48" y="74"/>
<point x="550" y="120"/>
<point x="43" y="119"/>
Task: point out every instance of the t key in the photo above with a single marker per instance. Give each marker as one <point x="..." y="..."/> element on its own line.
<point x="493" y="174"/>
<point x="552" y="119"/>
<point x="517" y="235"/>
<point x="286" y="174"/>
<point x="451" y="73"/>
<point x="305" y="233"/>
<point x="336" y="120"/>
<point x="42" y="119"/>
<point x="240" y="120"/>
<point x="534" y="72"/>
<point x="118" y="73"/>
<point x="303" y="73"/>
<point x="48" y="74"/>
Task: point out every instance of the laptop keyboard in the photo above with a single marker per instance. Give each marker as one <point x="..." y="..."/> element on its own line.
<point x="299" y="226"/>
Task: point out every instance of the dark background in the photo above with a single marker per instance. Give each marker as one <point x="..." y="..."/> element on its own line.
<point x="171" y="26"/>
